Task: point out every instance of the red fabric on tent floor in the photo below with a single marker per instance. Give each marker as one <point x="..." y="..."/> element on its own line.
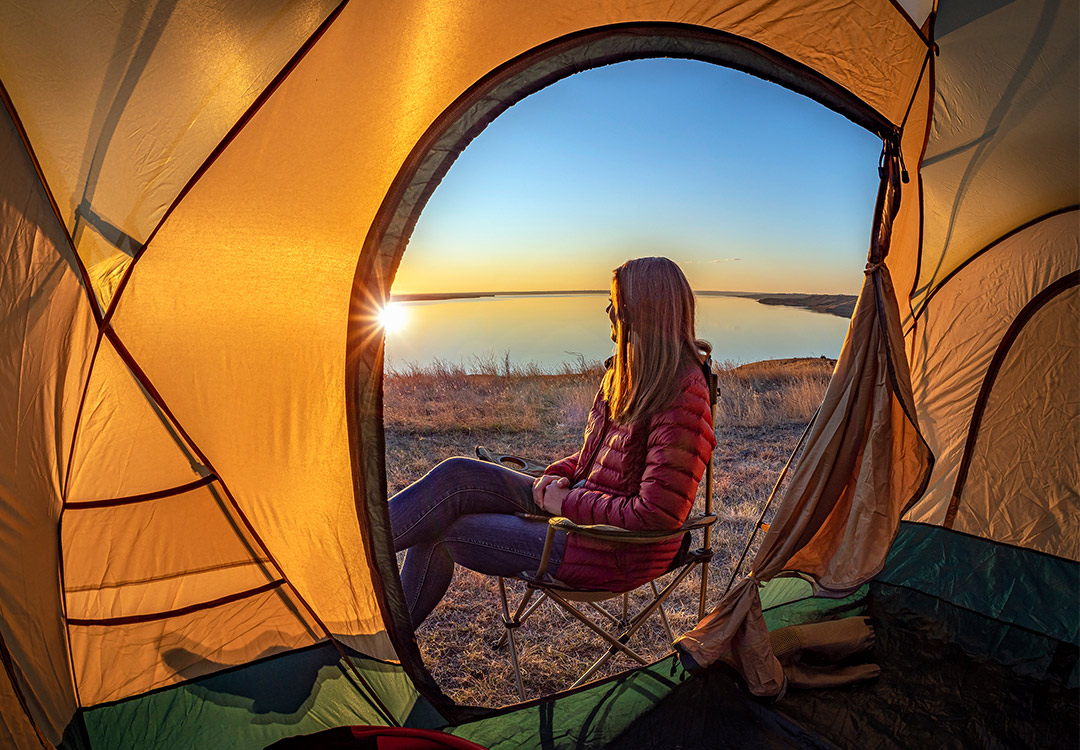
<point x="376" y="738"/>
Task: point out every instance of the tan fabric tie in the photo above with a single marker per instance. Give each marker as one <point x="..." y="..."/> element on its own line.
<point x="871" y="267"/>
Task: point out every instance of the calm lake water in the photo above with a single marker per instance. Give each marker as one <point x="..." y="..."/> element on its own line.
<point x="552" y="329"/>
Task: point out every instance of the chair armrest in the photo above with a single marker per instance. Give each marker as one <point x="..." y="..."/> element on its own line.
<point x="628" y="536"/>
<point x="700" y="521"/>
<point x="609" y="533"/>
<point x="515" y="463"/>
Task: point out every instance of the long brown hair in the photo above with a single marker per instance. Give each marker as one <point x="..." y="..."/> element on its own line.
<point x="654" y="337"/>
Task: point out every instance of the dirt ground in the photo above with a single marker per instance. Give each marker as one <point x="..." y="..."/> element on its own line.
<point x="439" y="412"/>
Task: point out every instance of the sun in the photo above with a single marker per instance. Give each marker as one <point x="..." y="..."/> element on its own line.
<point x="392" y="317"/>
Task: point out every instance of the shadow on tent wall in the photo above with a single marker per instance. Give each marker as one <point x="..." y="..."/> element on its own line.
<point x="254" y="704"/>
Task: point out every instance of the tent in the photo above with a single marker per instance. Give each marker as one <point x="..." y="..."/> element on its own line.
<point x="202" y="208"/>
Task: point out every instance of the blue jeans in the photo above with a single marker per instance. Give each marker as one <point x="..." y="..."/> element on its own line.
<point x="463" y="511"/>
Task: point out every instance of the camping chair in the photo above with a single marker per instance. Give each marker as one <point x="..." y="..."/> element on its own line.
<point x="621" y="625"/>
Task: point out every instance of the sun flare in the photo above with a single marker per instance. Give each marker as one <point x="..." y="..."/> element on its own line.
<point x="392" y="317"/>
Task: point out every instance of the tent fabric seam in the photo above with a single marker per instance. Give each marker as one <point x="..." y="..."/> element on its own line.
<point x="144" y="380"/>
<point x="78" y="419"/>
<point x="88" y="288"/>
<point x="911" y="21"/>
<point x="63" y="506"/>
<point x="179" y="612"/>
<point x="986" y="248"/>
<point x="854" y="604"/>
<point x="234" y="131"/>
<point x="156" y="396"/>
<point x="169" y="577"/>
<point x="921" y="194"/>
<point x="1040" y="300"/>
<point x="8" y="663"/>
<point x="915" y="92"/>
<point x="144" y="497"/>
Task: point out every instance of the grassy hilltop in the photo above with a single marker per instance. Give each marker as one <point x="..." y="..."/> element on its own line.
<point x="441" y="411"/>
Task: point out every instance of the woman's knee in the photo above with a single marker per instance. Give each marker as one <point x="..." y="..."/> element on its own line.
<point x="458" y="466"/>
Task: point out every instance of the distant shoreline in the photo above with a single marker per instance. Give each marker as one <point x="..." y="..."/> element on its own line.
<point x="438" y="296"/>
<point x="841" y="305"/>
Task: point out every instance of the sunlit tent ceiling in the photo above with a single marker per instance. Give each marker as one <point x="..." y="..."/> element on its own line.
<point x="1004" y="144"/>
<point x="203" y="204"/>
<point x="124" y="102"/>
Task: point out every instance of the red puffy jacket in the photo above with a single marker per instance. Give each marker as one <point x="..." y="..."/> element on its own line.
<point x="640" y="476"/>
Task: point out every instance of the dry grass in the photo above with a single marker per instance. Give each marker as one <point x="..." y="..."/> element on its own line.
<point x="438" y="412"/>
<point x="774" y="392"/>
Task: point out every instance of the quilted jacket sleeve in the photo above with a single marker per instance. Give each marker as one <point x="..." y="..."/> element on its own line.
<point x="679" y="444"/>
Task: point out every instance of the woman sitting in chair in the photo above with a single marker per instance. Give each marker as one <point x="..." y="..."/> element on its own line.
<point x="648" y="438"/>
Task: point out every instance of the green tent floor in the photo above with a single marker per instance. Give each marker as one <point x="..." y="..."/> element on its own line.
<point x="931" y="693"/>
<point x="977" y="644"/>
<point x="254" y="705"/>
<point x="596" y="715"/>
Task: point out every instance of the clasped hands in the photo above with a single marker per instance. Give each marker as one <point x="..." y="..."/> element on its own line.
<point x="549" y="492"/>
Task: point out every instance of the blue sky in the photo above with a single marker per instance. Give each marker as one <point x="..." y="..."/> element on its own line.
<point x="745" y="184"/>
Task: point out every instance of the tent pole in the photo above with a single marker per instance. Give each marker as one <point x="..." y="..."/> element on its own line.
<point x="761" y="518"/>
<point x="712" y="381"/>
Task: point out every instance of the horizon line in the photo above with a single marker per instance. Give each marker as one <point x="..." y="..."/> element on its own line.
<point x="436" y="296"/>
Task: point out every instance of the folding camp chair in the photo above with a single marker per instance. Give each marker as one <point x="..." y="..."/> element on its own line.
<point x="622" y="625"/>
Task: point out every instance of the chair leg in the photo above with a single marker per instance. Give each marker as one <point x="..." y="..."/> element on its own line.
<point x="521" y="620"/>
<point x="647" y="611"/>
<point x="615" y="642"/>
<point x="612" y="650"/>
<point x="619" y="622"/>
<point x="595" y="666"/>
<point x="603" y="611"/>
<point x="625" y="624"/>
<point x="511" y="625"/>
<point x="663" y="614"/>
<point x="637" y="621"/>
<point x="704" y="591"/>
